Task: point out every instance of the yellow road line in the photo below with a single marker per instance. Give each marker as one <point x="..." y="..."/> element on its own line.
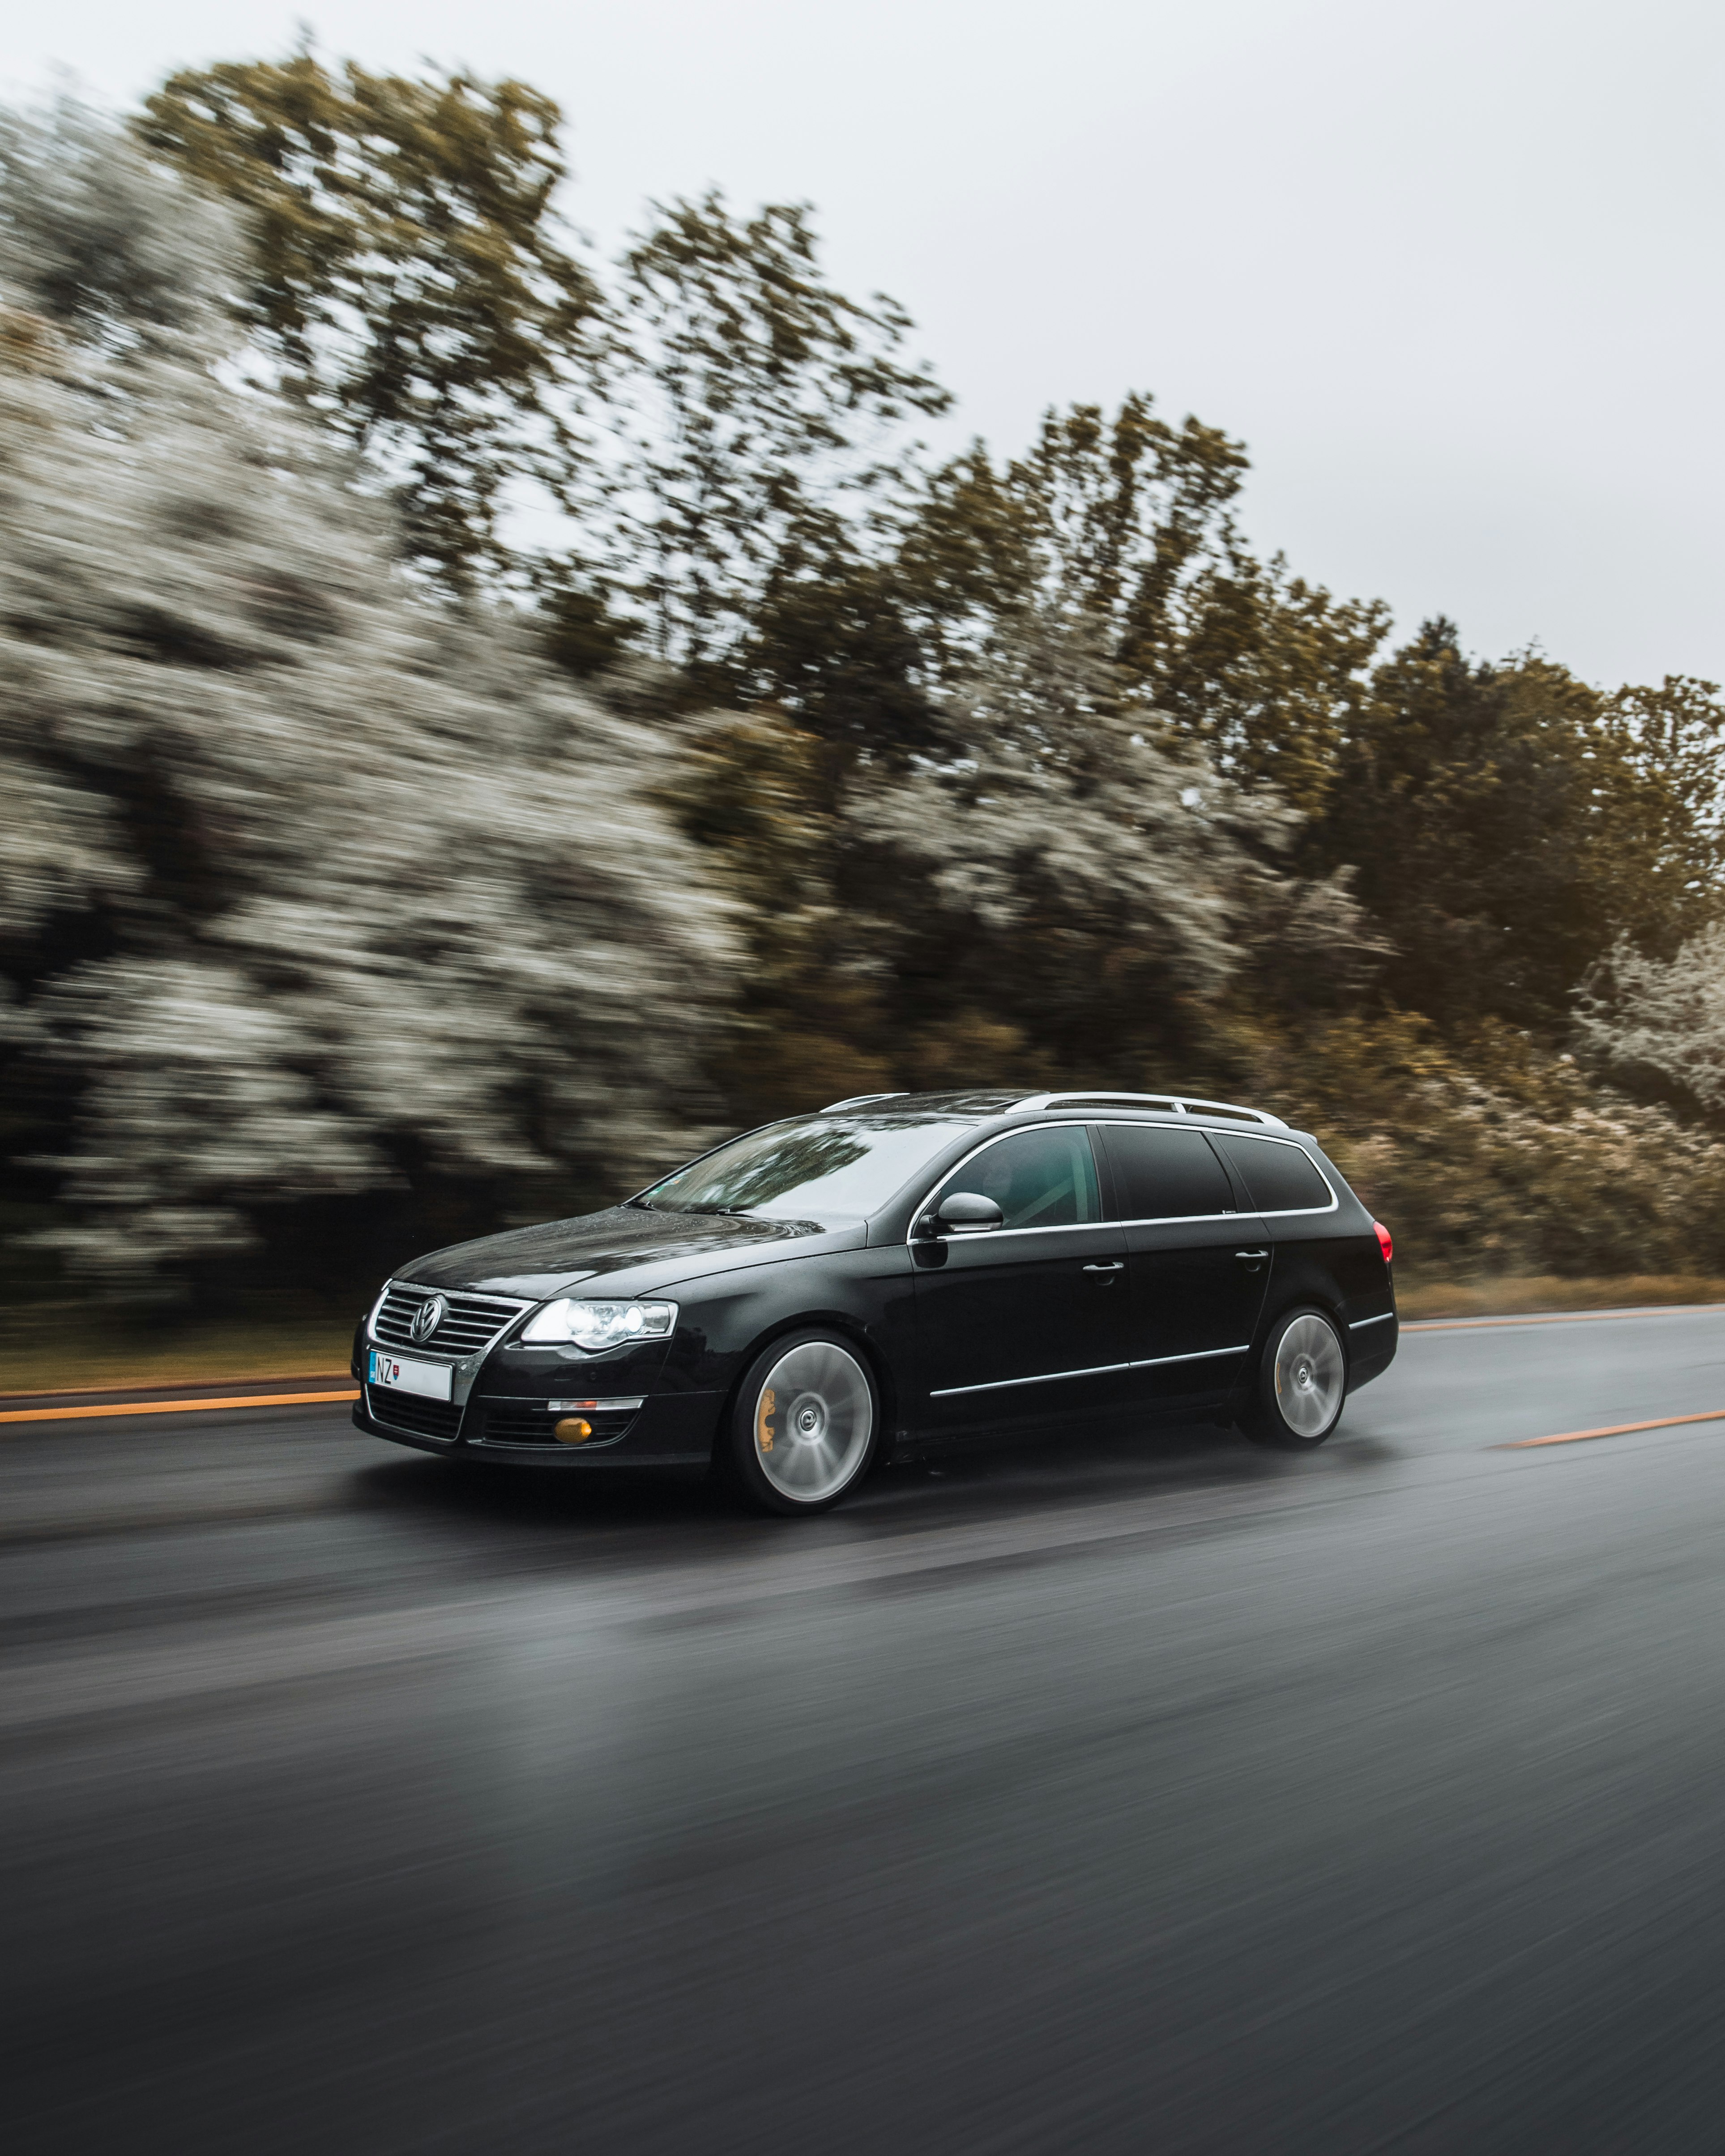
<point x="172" y="1407"/>
<point x="1616" y="1429"/>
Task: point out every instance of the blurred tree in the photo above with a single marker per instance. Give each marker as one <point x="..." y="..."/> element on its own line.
<point x="1127" y="524"/>
<point x="1106" y="520"/>
<point x="1027" y="769"/>
<point x="1508" y="823"/>
<point x="410" y="276"/>
<point x="1663" y="760"/>
<point x="765" y="425"/>
<point x="84" y="244"/>
<point x="1266" y="673"/>
<point x="809" y="1024"/>
<point x="1656" y="1026"/>
<point x="313" y="891"/>
<point x="834" y="646"/>
<point x="1067" y="891"/>
<point x="577" y="630"/>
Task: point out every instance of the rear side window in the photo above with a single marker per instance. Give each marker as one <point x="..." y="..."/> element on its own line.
<point x="1038" y="1178"/>
<point x="1162" y="1174"/>
<point x="1280" y="1178"/>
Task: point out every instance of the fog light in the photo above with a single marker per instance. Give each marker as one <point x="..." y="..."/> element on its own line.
<point x="571" y="1430"/>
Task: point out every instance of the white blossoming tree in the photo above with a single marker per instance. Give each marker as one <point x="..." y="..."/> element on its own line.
<point x="307" y="887"/>
<point x="1071" y="890"/>
<point x="1659" y="1024"/>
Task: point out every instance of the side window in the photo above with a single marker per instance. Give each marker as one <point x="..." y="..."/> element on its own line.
<point x="1165" y="1174"/>
<point x="1281" y="1178"/>
<point x="1038" y="1178"/>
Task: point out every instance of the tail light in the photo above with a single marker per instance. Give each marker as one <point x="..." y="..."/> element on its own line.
<point x="1384" y="1242"/>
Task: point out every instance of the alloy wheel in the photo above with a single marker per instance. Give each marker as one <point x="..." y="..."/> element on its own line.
<point x="813" y="1419"/>
<point x="1311" y="1374"/>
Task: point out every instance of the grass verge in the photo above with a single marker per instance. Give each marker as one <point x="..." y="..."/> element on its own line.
<point x="1512" y="1294"/>
<point x="92" y="1356"/>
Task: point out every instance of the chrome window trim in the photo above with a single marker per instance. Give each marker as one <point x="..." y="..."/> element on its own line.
<point x="1090" y="1370"/>
<point x="1181" y="1219"/>
<point x="1156" y="1220"/>
<point x="1359" y="1324"/>
<point x="1071" y="1228"/>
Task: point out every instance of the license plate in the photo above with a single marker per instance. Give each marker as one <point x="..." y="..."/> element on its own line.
<point x="430" y="1380"/>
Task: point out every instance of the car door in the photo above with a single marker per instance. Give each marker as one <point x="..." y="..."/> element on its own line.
<point x="1300" y="1212"/>
<point x="1025" y="1323"/>
<point x="1199" y="1267"/>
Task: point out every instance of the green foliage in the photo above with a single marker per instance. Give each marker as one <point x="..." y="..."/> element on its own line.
<point x="1127" y="524"/>
<point x="409" y="274"/>
<point x="576" y="627"/>
<point x="809" y="1025"/>
<point x="1491" y="1155"/>
<point x="1267" y="673"/>
<point x="1665" y="751"/>
<point x="1105" y="520"/>
<point x="1507" y="822"/>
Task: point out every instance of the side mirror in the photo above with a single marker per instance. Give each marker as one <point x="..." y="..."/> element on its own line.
<point x="967" y="1213"/>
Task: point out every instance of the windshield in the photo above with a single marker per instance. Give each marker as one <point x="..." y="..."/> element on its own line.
<point x="812" y="1169"/>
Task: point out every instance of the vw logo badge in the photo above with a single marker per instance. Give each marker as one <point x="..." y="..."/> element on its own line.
<point x="427" y="1318"/>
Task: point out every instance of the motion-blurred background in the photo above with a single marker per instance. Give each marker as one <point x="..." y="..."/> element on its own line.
<point x="484" y="709"/>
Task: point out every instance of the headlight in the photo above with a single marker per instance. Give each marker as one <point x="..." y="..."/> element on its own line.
<point x="595" y="1325"/>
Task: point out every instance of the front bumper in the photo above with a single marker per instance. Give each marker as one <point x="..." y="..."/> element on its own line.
<point x="669" y="1430"/>
<point x="500" y="1409"/>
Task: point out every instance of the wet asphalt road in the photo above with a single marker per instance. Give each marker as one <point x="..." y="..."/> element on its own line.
<point x="1155" y="1795"/>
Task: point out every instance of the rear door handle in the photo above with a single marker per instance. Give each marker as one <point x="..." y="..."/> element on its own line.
<point x="1118" y="1266"/>
<point x="1251" y="1260"/>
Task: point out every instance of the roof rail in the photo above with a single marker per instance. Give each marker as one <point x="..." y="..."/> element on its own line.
<point x="1172" y="1104"/>
<point x="857" y="1099"/>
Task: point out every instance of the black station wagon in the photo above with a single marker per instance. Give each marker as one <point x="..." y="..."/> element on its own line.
<point x="899" y="1272"/>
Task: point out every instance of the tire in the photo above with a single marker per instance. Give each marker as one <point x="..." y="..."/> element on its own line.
<point x="1302" y="1383"/>
<point x="805" y="1426"/>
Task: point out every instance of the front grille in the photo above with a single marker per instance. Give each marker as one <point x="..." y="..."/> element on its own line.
<point x="531" y="1422"/>
<point x="407" y="1411"/>
<point x="470" y="1321"/>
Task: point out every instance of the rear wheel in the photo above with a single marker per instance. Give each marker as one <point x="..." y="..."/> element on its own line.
<point x="1302" y="1381"/>
<point x="805" y="1426"/>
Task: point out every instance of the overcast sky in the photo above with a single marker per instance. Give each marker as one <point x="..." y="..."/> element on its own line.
<point x="1453" y="272"/>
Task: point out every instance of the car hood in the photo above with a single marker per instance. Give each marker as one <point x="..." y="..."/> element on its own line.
<point x="654" y="1249"/>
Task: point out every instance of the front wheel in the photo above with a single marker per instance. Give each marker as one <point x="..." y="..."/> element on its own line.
<point x="804" y="1430"/>
<point x="1301" y="1382"/>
